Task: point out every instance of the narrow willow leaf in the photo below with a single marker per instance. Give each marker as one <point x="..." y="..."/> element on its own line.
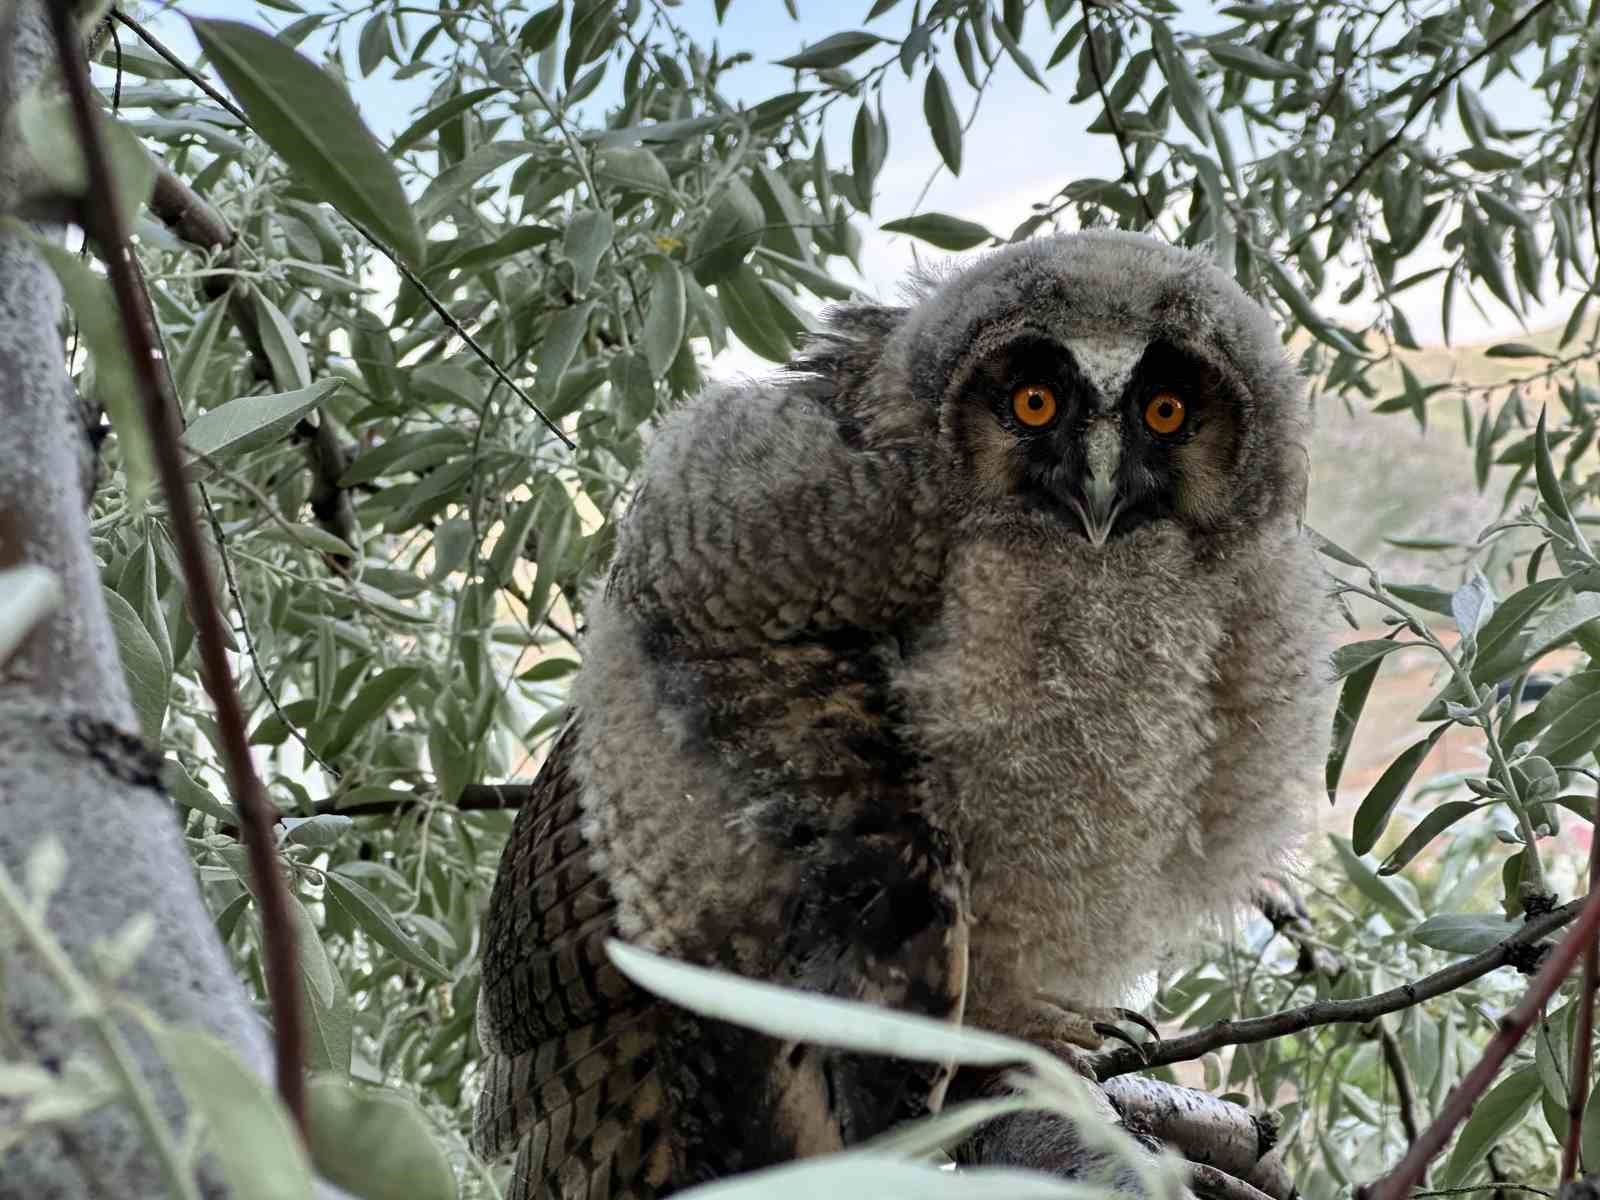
<point x="941" y="230"/>
<point x="750" y="314"/>
<point x="1352" y="699"/>
<point x="1372" y="818"/>
<point x="1326" y="545"/>
<point x="666" y="316"/>
<point x="540" y="30"/>
<point x="49" y="130"/>
<point x="367" y="913"/>
<point x="1502" y="642"/>
<point x="728" y="234"/>
<point x="195" y="357"/>
<point x="291" y="369"/>
<point x="1494" y="1116"/>
<point x="589" y="235"/>
<point x="89" y="297"/>
<point x="251" y="422"/>
<point x="149" y="683"/>
<point x="1435" y="823"/>
<point x="248" y="1131"/>
<point x="1464" y="933"/>
<point x="330" y="1028"/>
<point x="1187" y="95"/>
<point x="561" y="341"/>
<point x="440" y="114"/>
<point x="375" y="696"/>
<point x="1574" y="734"/>
<point x="1545" y="471"/>
<point x="524" y="237"/>
<point x="943" y="121"/>
<point x="1395" y="896"/>
<point x="832" y="51"/>
<point x="311" y="122"/>
<point x="1247" y="60"/>
<point x="375" y="1144"/>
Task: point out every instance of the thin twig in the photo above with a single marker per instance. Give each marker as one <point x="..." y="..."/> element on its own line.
<point x="1397" y="1184"/>
<point x="109" y="230"/>
<point x="1329" y="1012"/>
<point x="1111" y="114"/>
<point x="1583" y="1036"/>
<point x="1404" y="1094"/>
<point x="1389" y="143"/>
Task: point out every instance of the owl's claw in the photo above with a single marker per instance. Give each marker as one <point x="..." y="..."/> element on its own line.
<point x="1107" y="1030"/>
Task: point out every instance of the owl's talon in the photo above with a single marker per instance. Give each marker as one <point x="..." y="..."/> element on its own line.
<point x="1106" y="1030"/>
<point x="1142" y="1021"/>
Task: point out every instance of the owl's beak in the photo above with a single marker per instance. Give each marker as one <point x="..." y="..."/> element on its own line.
<point x="1103" y="455"/>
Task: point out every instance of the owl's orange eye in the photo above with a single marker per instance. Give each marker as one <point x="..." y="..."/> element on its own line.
<point x="1164" y="413"/>
<point x="1034" y="404"/>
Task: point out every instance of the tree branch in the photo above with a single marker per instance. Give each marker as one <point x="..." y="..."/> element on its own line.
<point x="1404" y="1094"/>
<point x="1111" y="114"/>
<point x="1583" y="1036"/>
<point x="108" y="227"/>
<point x="1398" y="1183"/>
<point x="1514" y="949"/>
<point x="1205" y="1129"/>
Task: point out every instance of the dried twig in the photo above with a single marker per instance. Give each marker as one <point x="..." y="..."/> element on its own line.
<point x="1398" y="1183"/>
<point x="109" y="230"/>
<point x="1330" y="1012"/>
<point x="1405" y="1095"/>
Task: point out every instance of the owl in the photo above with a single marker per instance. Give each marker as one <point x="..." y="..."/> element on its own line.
<point x="966" y="667"/>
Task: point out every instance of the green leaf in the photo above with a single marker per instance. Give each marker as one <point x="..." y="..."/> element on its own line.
<point x="750" y="314"/>
<point x="375" y="1144"/>
<point x="632" y="169"/>
<point x="941" y="230"/>
<point x="540" y="30"/>
<point x="1373" y="816"/>
<point x="251" y="422"/>
<point x="729" y="233"/>
<point x="149" y="682"/>
<point x="248" y="1131"/>
<point x="1464" y="933"/>
<point x="1396" y="897"/>
<point x="561" y="341"/>
<point x="375" y="696"/>
<point x="50" y="132"/>
<point x="588" y="237"/>
<point x="285" y="352"/>
<point x="943" y="121"/>
<point x="1247" y="60"/>
<point x="441" y="114"/>
<point x="330" y="1025"/>
<point x="666" y="316"/>
<point x="311" y="122"/>
<point x="1187" y="95"/>
<point x="524" y="237"/>
<point x="195" y="356"/>
<point x="1575" y="733"/>
<point x="1494" y="1116"/>
<point x="548" y="670"/>
<point x="1545" y="471"/>
<point x="1515" y="350"/>
<point x="1502" y="642"/>
<point x="367" y="913"/>
<point x="1354" y="656"/>
<point x="833" y="51"/>
<point x="1352" y="699"/>
<point x="1435" y="823"/>
<point x="89" y="297"/>
<point x="456" y="180"/>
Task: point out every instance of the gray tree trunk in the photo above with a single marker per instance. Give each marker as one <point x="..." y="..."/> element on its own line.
<point x="71" y="764"/>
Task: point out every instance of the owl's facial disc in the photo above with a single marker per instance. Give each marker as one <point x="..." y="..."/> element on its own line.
<point x="1104" y="433"/>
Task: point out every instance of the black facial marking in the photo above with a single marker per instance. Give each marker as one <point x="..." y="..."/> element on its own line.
<point x="1052" y="467"/>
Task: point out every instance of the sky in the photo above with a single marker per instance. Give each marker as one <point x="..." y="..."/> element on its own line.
<point x="1025" y="144"/>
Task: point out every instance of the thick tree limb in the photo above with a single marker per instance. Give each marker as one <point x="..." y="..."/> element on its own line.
<point x="1204" y="1129"/>
<point x="1514" y="950"/>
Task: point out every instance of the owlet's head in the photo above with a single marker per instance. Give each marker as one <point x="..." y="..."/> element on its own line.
<point x="1104" y="381"/>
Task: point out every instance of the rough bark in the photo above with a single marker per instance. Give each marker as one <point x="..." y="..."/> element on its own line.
<point x="71" y="764"/>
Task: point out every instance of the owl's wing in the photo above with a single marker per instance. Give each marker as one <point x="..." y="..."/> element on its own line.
<point x="605" y="1093"/>
<point x="570" y="1078"/>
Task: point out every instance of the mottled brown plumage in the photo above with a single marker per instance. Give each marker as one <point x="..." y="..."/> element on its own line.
<point x="900" y="691"/>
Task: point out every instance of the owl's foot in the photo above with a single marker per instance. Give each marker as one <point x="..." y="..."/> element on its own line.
<point x="1087" y="1026"/>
